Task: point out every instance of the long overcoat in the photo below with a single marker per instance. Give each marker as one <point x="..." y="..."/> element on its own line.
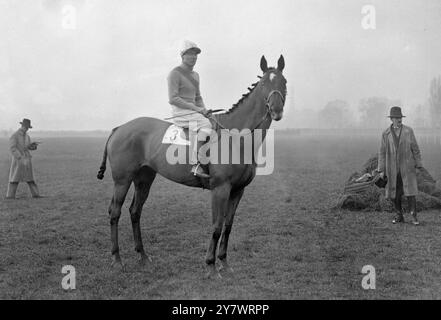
<point x="21" y="165"/>
<point x="404" y="159"/>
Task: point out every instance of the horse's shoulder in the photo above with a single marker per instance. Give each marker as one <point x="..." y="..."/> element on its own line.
<point x="238" y="176"/>
<point x="250" y="173"/>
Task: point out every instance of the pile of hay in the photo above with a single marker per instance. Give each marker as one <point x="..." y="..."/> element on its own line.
<point x="368" y="196"/>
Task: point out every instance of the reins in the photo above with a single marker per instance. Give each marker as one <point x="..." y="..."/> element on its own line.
<point x="261" y="121"/>
<point x="193" y="112"/>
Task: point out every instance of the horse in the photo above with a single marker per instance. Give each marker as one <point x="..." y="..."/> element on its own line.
<point x="136" y="154"/>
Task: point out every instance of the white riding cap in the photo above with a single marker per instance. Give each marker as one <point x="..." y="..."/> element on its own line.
<point x="187" y="45"/>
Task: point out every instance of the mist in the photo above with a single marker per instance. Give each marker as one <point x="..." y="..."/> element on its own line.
<point x="109" y="65"/>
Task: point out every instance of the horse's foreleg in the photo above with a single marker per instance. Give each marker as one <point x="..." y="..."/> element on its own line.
<point x="219" y="207"/>
<point x="120" y="192"/>
<point x="141" y="193"/>
<point x="232" y="206"/>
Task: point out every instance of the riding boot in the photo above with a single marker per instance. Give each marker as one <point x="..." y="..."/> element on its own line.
<point x="12" y="190"/>
<point x="34" y="189"/>
<point x="399" y="210"/>
<point x="412" y="208"/>
<point x="197" y="169"/>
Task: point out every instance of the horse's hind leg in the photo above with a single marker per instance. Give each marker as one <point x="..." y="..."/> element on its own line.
<point x="142" y="187"/>
<point x="232" y="206"/>
<point x="120" y="192"/>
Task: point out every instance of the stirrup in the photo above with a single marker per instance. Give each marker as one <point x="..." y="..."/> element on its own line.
<point x="199" y="172"/>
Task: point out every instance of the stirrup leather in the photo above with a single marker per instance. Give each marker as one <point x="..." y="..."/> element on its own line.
<point x="199" y="174"/>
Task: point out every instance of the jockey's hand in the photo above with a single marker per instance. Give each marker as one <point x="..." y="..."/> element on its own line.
<point x="205" y="112"/>
<point x="382" y="174"/>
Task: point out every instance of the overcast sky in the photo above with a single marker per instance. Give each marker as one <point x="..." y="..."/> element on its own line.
<point x="112" y="66"/>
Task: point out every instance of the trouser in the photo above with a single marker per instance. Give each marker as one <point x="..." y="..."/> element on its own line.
<point x="411" y="200"/>
<point x="398" y="194"/>
<point x="197" y="141"/>
<point x="199" y="128"/>
<point x="12" y="189"/>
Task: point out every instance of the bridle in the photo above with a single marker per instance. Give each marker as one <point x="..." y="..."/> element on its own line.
<point x="270" y="94"/>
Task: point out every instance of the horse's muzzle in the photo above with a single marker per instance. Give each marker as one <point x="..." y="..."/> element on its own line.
<point x="276" y="116"/>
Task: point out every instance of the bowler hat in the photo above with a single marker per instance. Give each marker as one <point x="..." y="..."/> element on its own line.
<point x="26" y="123"/>
<point x="395" y="112"/>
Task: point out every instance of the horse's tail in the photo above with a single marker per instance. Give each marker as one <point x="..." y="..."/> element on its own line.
<point x="100" y="174"/>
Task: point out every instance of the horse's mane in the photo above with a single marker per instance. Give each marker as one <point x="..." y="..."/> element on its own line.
<point x="245" y="95"/>
<point x="250" y="89"/>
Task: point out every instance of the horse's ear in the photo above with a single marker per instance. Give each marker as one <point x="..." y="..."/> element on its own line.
<point x="263" y="64"/>
<point x="281" y="63"/>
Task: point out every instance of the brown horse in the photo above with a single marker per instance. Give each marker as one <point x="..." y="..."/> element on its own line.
<point x="136" y="153"/>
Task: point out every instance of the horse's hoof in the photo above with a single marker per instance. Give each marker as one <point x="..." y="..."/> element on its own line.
<point x="117" y="265"/>
<point x="226" y="270"/>
<point x="145" y="259"/>
<point x="213" y="274"/>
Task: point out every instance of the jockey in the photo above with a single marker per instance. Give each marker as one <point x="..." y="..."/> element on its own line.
<point x="187" y="105"/>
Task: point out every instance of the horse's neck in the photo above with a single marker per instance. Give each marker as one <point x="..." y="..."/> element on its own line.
<point x="259" y="136"/>
<point x="248" y="114"/>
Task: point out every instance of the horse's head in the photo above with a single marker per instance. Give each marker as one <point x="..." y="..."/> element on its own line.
<point x="274" y="87"/>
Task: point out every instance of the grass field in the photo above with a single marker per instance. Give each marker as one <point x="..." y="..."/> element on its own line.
<point x="286" y="242"/>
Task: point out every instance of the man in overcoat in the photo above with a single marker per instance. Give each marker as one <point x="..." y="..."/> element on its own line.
<point x="20" y="146"/>
<point x="398" y="159"/>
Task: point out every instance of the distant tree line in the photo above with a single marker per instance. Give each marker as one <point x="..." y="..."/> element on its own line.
<point x="372" y="111"/>
<point x="335" y="114"/>
<point x="435" y="102"/>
